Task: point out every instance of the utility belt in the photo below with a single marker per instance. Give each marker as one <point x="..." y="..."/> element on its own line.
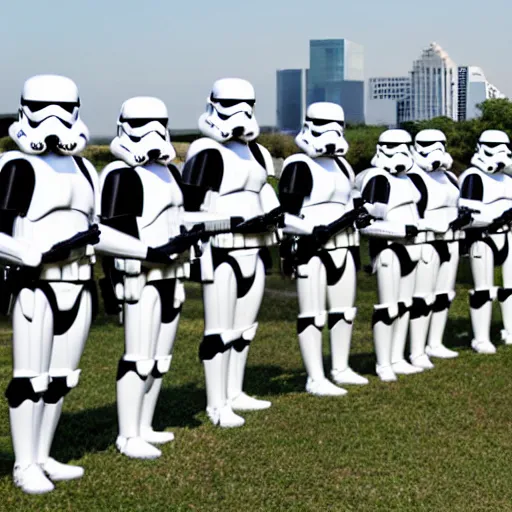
<point x="347" y="238"/>
<point x="244" y="241"/>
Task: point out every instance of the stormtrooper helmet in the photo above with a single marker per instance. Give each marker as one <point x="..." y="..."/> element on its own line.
<point x="493" y="153"/>
<point x="48" y="117"/>
<point x="429" y="151"/>
<point x="393" y="153"/>
<point x="142" y="134"/>
<point x="323" y="131"/>
<point x="230" y="111"/>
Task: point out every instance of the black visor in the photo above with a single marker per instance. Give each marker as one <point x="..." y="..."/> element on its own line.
<point x="230" y="103"/>
<point x="35" y="106"/>
<point x="494" y="144"/>
<point x="323" y="122"/>
<point x="426" y="144"/>
<point x="137" y="123"/>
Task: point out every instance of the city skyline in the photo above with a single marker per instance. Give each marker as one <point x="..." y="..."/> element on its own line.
<point x="114" y="50"/>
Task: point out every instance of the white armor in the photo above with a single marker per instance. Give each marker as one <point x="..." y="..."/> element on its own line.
<point x="146" y="202"/>
<point x="318" y="187"/>
<point x="487" y="188"/>
<point x="395" y="247"/>
<point x="225" y="176"/>
<point x="42" y="187"/>
<point x="437" y="267"/>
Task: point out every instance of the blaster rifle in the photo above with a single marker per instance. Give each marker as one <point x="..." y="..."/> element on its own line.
<point x="299" y="250"/>
<point x="502" y="220"/>
<point x="266" y="223"/>
<point x="200" y="231"/>
<point x="464" y="217"/>
<point x="61" y="250"/>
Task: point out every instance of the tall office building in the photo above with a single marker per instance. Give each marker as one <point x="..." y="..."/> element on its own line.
<point x="434" y="85"/>
<point x="290" y="99"/>
<point x="473" y="90"/>
<point x="336" y="74"/>
<point x="385" y="100"/>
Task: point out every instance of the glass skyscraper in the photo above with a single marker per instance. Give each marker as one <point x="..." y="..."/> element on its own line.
<point x="290" y="90"/>
<point x="336" y="74"/>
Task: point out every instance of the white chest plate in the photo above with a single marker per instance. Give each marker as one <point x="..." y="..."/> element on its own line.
<point x="441" y="192"/>
<point x="59" y="185"/>
<point x="496" y="186"/>
<point x="330" y="183"/>
<point x="162" y="209"/>
<point x="242" y="172"/>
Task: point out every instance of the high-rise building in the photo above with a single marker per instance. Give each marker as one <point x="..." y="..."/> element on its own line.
<point x="336" y="74"/>
<point x="384" y="97"/>
<point x="474" y="89"/>
<point x="290" y="99"/>
<point x="434" y="85"/>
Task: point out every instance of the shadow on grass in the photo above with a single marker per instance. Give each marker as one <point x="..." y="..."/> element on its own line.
<point x="95" y="430"/>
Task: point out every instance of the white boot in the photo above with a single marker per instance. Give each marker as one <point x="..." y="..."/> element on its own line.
<point x="224" y="417"/>
<point x="130" y="394"/>
<point x="422" y="362"/>
<point x="148" y="410"/>
<point x="419" y="327"/>
<point x="137" y="448"/>
<point x="239" y="400"/>
<point x="481" y="314"/>
<point x="310" y="343"/>
<point x="31" y="479"/>
<point x="25" y="428"/>
<point x="506" y="337"/>
<point x="55" y="470"/>
<point x="341" y="323"/>
<point x="441" y="352"/>
<point x="483" y="347"/>
<point x="218" y="409"/>
<point x="435" y="347"/>
<point x="348" y="376"/>
<point x="404" y="368"/>
<point x="384" y="317"/>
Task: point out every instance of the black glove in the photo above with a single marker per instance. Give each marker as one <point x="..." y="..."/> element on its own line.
<point x="462" y="220"/>
<point x="255" y="225"/>
<point x="411" y="231"/>
<point x="363" y="219"/>
<point x="61" y="250"/>
<point x="157" y="255"/>
<point x="321" y="234"/>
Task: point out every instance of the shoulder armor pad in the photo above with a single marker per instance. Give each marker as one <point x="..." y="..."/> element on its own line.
<point x="377" y="189"/>
<point x="122" y="194"/>
<point x="202" y="172"/>
<point x="201" y="145"/>
<point x="17" y="183"/>
<point x="295" y="185"/>
<point x="472" y="186"/>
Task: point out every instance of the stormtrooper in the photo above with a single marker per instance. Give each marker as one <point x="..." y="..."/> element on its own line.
<point x="396" y="238"/>
<point x="318" y="186"/>
<point x="487" y="188"/>
<point x="437" y="267"/>
<point x="141" y="197"/>
<point x="225" y="177"/>
<point x="43" y="186"/>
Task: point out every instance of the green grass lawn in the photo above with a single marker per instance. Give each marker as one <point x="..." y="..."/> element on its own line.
<point x="441" y="440"/>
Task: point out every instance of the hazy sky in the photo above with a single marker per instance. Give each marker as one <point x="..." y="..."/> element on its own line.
<point x="175" y="49"/>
